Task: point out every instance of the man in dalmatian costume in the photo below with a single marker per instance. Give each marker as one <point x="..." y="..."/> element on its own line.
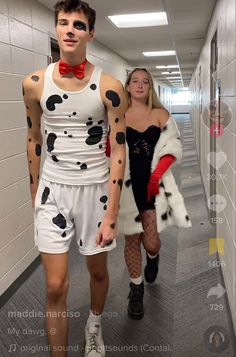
<point x="76" y="195"/>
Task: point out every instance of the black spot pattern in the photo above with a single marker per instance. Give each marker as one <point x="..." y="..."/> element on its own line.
<point x="54" y="158"/>
<point x="38" y="149"/>
<point x="137" y="219"/>
<point x="59" y="221"/>
<point x="74" y="113"/>
<point x="119" y="162"/>
<point x="113" y="97"/>
<point x="35" y="78"/>
<point x="164" y="128"/>
<point x="168" y="194"/>
<point x="80" y="243"/>
<point x="53" y="100"/>
<point x="50" y="141"/>
<point x="127" y="183"/>
<point x="112" y="225"/>
<point x="29" y="122"/>
<point x="162" y="185"/>
<point x="103" y="199"/>
<point x="117" y="120"/>
<point x="99" y="224"/>
<point x="164" y="216"/>
<point x="31" y="179"/>
<point x="45" y="195"/>
<point x="93" y="86"/>
<point x="95" y="135"/>
<point x="83" y="167"/>
<point x="63" y="234"/>
<point x="187" y="218"/>
<point x="120" y="137"/>
<point x="120" y="183"/>
<point x="89" y="122"/>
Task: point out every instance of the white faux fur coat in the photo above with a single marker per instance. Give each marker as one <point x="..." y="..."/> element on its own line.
<point x="170" y="208"/>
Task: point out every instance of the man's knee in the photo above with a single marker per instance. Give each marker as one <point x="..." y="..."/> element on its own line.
<point x="99" y="274"/>
<point x="57" y="288"/>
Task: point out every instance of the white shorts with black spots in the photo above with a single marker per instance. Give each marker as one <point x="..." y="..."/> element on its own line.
<point x="63" y="211"/>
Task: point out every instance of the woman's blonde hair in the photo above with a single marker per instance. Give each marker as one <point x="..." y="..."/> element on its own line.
<point x="152" y="101"/>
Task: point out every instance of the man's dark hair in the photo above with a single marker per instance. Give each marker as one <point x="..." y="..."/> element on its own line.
<point x="76" y="5"/>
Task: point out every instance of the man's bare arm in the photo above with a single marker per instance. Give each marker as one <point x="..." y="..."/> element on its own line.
<point x="31" y="94"/>
<point x="116" y="105"/>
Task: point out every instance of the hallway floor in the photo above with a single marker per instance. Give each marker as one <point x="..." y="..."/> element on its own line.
<point x="177" y="310"/>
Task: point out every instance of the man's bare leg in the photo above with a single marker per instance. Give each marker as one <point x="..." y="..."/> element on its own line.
<point x="56" y="268"/>
<point x="99" y="281"/>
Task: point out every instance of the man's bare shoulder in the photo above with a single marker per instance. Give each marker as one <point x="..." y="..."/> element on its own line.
<point x="110" y="83"/>
<point x="112" y="91"/>
<point x="34" y="79"/>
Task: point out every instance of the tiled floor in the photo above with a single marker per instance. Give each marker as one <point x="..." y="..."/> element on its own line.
<point x="177" y="310"/>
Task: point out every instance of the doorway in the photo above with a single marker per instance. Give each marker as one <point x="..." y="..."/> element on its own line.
<point x="55" y="51"/>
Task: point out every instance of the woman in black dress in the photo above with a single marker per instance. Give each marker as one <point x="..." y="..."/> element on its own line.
<point x="145" y="118"/>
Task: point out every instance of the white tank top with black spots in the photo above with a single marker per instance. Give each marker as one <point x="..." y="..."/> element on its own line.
<point x="75" y="126"/>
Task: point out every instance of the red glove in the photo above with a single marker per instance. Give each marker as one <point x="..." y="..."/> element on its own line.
<point x="163" y="165"/>
<point x="108" y="147"/>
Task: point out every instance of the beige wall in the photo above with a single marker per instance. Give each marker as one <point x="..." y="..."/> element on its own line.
<point x="25" y="30"/>
<point x="223" y="19"/>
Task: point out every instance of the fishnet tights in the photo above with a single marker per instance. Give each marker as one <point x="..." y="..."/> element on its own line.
<point x="149" y="238"/>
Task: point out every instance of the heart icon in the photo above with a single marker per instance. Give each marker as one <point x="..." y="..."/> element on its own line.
<point x="220" y="158"/>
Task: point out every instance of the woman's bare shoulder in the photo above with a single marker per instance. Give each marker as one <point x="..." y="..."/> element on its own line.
<point x="162" y="115"/>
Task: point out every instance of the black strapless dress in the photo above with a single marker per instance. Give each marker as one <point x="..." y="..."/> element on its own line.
<point x="141" y="148"/>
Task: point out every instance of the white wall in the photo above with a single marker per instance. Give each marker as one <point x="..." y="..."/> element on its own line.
<point x="223" y="19"/>
<point x="25" y="30"/>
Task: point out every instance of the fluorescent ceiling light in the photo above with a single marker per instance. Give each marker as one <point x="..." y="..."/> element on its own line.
<point x="173" y="78"/>
<point x="173" y="72"/>
<point x="170" y="66"/>
<point x="140" y="20"/>
<point x="159" y="53"/>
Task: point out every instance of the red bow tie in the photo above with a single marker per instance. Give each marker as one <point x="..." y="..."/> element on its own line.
<point x="79" y="70"/>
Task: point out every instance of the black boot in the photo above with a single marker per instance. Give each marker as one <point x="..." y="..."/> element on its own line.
<point x="151" y="269"/>
<point x="135" y="306"/>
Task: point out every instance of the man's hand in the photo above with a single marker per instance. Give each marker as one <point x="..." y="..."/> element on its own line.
<point x="107" y="232"/>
